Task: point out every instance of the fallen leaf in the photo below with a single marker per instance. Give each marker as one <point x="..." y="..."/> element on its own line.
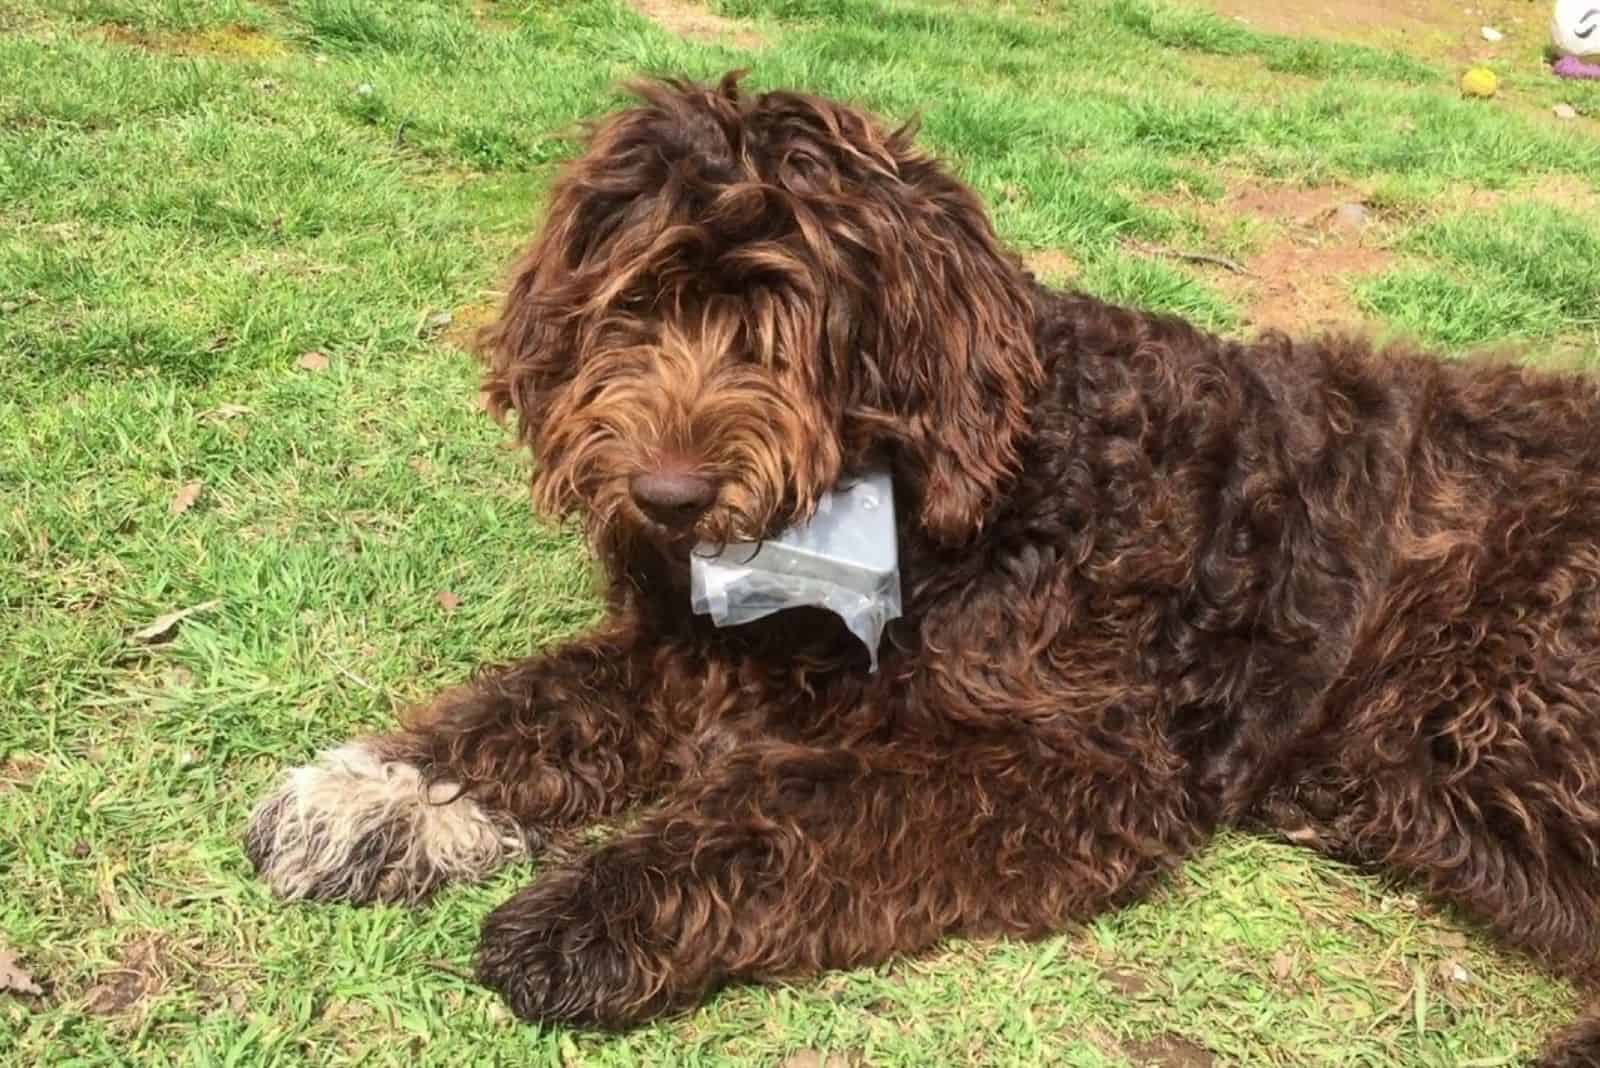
<point x="1346" y="1009"/>
<point x="1282" y="966"/>
<point x="1128" y="983"/>
<point x="184" y="499"/>
<point x="447" y="600"/>
<point x="15" y="978"/>
<point x="806" y="1058"/>
<point x="810" y="1058"/>
<point x="163" y="625"/>
<point x="312" y="361"/>
<point x="431" y="324"/>
<point x="123" y="987"/>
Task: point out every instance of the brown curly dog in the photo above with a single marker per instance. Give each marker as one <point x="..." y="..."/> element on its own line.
<point x="1155" y="583"/>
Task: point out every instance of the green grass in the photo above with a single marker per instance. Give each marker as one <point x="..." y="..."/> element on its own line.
<point x="194" y="195"/>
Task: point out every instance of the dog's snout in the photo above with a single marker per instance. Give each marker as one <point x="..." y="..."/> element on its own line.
<point x="671" y="498"/>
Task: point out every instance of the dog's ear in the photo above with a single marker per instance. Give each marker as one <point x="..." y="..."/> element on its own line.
<point x="605" y="214"/>
<point x="929" y="322"/>
<point x="947" y="344"/>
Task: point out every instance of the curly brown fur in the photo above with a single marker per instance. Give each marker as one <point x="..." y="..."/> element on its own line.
<point x="1157" y="582"/>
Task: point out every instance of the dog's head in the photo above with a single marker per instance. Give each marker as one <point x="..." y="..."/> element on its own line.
<point x="735" y="299"/>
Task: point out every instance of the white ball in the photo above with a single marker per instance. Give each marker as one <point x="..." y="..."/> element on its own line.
<point x="1575" y="27"/>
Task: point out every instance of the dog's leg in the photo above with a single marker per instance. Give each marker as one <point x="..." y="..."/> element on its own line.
<point x="1578" y="1047"/>
<point x="788" y="860"/>
<point x="1475" y="771"/>
<point x="480" y="776"/>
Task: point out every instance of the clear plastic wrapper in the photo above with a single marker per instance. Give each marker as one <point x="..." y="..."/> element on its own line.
<point x="844" y="560"/>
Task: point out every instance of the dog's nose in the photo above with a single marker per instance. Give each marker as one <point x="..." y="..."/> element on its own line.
<point x="672" y="498"/>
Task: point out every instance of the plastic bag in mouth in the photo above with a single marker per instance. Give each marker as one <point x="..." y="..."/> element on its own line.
<point x="844" y="560"/>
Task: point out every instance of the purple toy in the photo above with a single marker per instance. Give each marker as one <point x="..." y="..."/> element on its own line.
<point x="1573" y="67"/>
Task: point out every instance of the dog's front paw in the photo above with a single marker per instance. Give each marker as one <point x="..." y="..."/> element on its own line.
<point x="356" y="827"/>
<point x="580" y="948"/>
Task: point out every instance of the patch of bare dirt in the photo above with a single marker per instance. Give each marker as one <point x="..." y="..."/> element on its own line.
<point x="1339" y="17"/>
<point x="486" y="13"/>
<point x="1170" y="1051"/>
<point x="1568" y="192"/>
<point x="1424" y="26"/>
<point x="1288" y="204"/>
<point x="121" y="35"/>
<point x="1051" y="265"/>
<point x="230" y="42"/>
<point x="698" y="23"/>
<point x="466" y="321"/>
<point x="1297" y="288"/>
<point x="1314" y="242"/>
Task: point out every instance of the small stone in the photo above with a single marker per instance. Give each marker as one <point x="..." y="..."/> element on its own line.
<point x="1564" y="111"/>
<point x="1352" y="216"/>
<point x="1492" y="35"/>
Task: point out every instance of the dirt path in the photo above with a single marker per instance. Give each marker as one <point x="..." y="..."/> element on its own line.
<point x="1428" y="27"/>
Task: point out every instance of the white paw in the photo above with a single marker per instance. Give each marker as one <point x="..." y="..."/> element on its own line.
<point x="356" y="827"/>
